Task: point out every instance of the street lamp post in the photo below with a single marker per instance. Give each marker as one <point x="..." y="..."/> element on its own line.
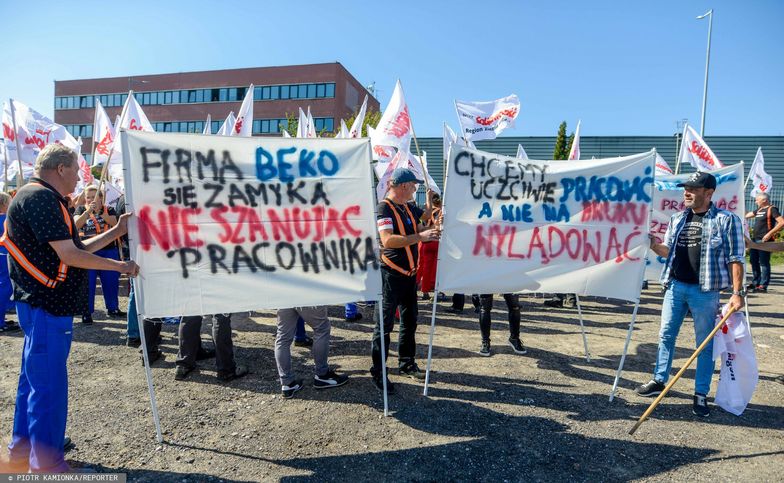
<point x="707" y="64"/>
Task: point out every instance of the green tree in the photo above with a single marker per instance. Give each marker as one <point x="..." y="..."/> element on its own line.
<point x="561" y="148"/>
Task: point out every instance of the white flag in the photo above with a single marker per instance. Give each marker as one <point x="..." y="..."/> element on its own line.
<point x="103" y="135"/>
<point x="399" y="160"/>
<point x="415" y="164"/>
<point x="228" y="125"/>
<point x="302" y="124"/>
<point x="356" y="126"/>
<point x="486" y="120"/>
<point x="285" y="133"/>
<point x="343" y="133"/>
<point x="311" y="125"/>
<point x="450" y="138"/>
<point x="9" y="143"/>
<point x="662" y="168"/>
<point x="394" y="128"/>
<point x="85" y="174"/>
<point x="695" y="152"/>
<point x="243" y="126"/>
<point x="521" y="154"/>
<point x="131" y="118"/>
<point x="762" y="181"/>
<point x="208" y="125"/>
<point x="574" y="151"/>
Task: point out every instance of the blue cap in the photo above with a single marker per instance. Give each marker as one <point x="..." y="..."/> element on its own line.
<point x="403" y="175"/>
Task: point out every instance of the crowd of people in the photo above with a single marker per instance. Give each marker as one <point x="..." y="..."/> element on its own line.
<point x="57" y="247"/>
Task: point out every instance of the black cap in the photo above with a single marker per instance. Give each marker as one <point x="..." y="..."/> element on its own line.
<point x="699" y="180"/>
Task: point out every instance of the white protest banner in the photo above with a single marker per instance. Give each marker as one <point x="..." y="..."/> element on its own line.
<point x="231" y="224"/>
<point x="486" y="120"/>
<point x="668" y="200"/>
<point x="514" y="225"/>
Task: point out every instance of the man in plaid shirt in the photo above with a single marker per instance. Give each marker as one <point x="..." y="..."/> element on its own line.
<point x="704" y="248"/>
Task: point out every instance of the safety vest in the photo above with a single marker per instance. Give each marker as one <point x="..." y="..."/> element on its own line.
<point x="407" y="248"/>
<point x="27" y="265"/>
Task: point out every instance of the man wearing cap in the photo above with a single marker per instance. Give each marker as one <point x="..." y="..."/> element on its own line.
<point x="704" y="248"/>
<point x="400" y="231"/>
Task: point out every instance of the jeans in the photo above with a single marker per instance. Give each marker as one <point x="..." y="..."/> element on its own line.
<point x="399" y="291"/>
<point x="110" y="281"/>
<point x="760" y="266"/>
<point x="132" y="323"/>
<point x="190" y="342"/>
<point x="6" y="290"/>
<point x="512" y="305"/>
<point x="704" y="306"/>
<point x="42" y="395"/>
<point x="316" y="318"/>
<point x="300" y="335"/>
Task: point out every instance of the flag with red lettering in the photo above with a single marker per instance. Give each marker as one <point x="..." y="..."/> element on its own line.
<point x="356" y="126"/>
<point x="739" y="373"/>
<point x="103" y="135"/>
<point x="227" y="125"/>
<point x="696" y="152"/>
<point x="243" y="126"/>
<point x="574" y="151"/>
<point x="521" y="154"/>
<point x="9" y="142"/>
<point x="85" y="174"/>
<point x="384" y="173"/>
<point x="486" y="119"/>
<point x="661" y="165"/>
<point x="302" y="124"/>
<point x="311" y="126"/>
<point x="208" y="125"/>
<point x="132" y="118"/>
<point x="394" y="128"/>
<point x="762" y="182"/>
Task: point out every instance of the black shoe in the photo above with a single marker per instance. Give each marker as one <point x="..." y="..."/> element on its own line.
<point x="700" y="407"/>
<point x="412" y="370"/>
<point x="645" y="285"/>
<point x="761" y="289"/>
<point x="328" y="380"/>
<point x="379" y="383"/>
<point x="182" y="372"/>
<point x="10" y="326"/>
<point x="289" y="390"/>
<point x="306" y="342"/>
<point x="87" y="319"/>
<point x="67" y="444"/>
<point x="205" y="353"/>
<point x="152" y="356"/>
<point x="557" y="303"/>
<point x="117" y="314"/>
<point x="133" y="342"/>
<point x="751" y="288"/>
<point x="650" y="389"/>
<point x="453" y="310"/>
<point x="517" y="346"/>
<point x="355" y="318"/>
<point x="779" y="379"/>
<point x="239" y="371"/>
<point x="425" y="296"/>
<point x="484" y="351"/>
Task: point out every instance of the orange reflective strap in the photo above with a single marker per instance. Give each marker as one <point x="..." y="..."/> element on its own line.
<point x="403" y="229"/>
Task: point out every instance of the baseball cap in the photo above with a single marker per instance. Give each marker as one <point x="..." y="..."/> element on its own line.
<point x="699" y="180"/>
<point x="403" y="175"/>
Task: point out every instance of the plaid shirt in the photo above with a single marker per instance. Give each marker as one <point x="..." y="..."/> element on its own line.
<point x="722" y="244"/>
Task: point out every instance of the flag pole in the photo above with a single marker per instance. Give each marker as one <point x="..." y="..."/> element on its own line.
<point x="683" y="369"/>
<point x="680" y="151"/>
<point x="582" y="329"/>
<point x="5" y="166"/>
<point x="428" y="203"/>
<point x="20" y="174"/>
<point x="114" y="141"/>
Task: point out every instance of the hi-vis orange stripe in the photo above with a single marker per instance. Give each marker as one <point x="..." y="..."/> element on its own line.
<point x="407" y="248"/>
<point x="27" y="265"/>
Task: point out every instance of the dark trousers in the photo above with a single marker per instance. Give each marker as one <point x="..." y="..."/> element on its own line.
<point x="399" y="291"/>
<point x="512" y="304"/>
<point x="152" y="332"/>
<point x="458" y="301"/>
<point x="760" y="266"/>
<point x="190" y="342"/>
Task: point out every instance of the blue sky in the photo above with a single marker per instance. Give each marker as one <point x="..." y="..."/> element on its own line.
<point x="624" y="68"/>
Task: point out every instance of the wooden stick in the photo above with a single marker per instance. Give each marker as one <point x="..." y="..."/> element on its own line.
<point x="680" y="373"/>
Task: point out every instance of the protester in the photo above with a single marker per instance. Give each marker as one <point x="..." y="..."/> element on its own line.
<point x="316" y="318"/>
<point x="48" y="267"/>
<point x="513" y="306"/>
<point x="458" y="303"/>
<point x="704" y="249"/>
<point x="93" y="218"/>
<point x="6" y="290"/>
<point x="191" y="350"/>
<point x="767" y="247"/>
<point x="767" y="223"/>
<point x="400" y="230"/>
<point x="301" y="338"/>
<point x="428" y="254"/>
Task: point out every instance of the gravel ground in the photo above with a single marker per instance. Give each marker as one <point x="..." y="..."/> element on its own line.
<point x="543" y="416"/>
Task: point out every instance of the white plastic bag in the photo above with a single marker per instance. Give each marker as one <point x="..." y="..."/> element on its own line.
<point x="739" y="372"/>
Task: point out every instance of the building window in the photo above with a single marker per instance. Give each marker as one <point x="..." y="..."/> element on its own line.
<point x="224" y="95"/>
<point x="284" y="92"/>
<point x="232" y="94"/>
<point x="330" y="90"/>
<point x="275" y="92"/>
<point x="265" y="93"/>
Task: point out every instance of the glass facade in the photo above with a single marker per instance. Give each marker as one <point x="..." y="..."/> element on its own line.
<point x="194" y="96"/>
